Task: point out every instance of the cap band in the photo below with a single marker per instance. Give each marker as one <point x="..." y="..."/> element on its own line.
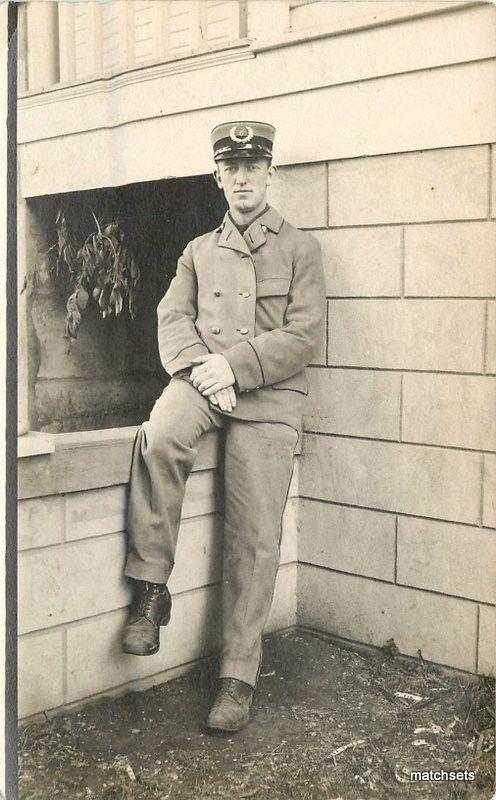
<point x="256" y="146"/>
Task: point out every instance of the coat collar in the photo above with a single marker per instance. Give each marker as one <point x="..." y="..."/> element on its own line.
<point x="255" y="234"/>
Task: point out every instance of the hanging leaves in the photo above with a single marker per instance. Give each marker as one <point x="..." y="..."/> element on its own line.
<point x="82" y="298"/>
<point x="100" y="270"/>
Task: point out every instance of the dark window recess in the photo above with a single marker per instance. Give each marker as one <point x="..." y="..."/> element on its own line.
<point x="111" y="375"/>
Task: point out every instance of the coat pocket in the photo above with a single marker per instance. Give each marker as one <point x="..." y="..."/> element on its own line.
<point x="273" y="286"/>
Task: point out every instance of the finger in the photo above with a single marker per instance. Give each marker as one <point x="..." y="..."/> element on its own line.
<point x="232" y="395"/>
<point x="225" y="406"/>
<point x="213" y="399"/>
<point x="207" y="383"/>
<point x="225" y="398"/>
<point x="215" y="389"/>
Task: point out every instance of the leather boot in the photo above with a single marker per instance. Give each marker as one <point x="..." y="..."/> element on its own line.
<point x="151" y="607"/>
<point x="231" y="708"/>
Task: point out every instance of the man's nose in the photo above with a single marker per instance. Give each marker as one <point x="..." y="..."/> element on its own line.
<point x="241" y="176"/>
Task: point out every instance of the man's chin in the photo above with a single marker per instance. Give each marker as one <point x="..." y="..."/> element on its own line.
<point x="244" y="204"/>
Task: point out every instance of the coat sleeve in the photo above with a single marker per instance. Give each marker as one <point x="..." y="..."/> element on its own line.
<point x="276" y="355"/>
<point x="178" y="338"/>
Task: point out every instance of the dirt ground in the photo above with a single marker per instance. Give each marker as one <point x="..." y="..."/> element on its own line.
<point x="328" y="723"/>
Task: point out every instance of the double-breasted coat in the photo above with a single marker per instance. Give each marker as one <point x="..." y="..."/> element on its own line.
<point x="259" y="299"/>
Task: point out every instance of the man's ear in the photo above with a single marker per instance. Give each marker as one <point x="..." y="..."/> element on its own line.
<point x="270" y="173"/>
<point x="217" y="178"/>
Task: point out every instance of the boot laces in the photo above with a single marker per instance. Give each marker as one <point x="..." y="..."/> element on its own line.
<point x="147" y="598"/>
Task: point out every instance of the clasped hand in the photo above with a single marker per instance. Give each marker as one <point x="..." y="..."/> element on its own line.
<point x="214" y="378"/>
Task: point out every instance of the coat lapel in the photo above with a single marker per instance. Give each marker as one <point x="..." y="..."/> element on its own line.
<point x="255" y="234"/>
<point x="231" y="238"/>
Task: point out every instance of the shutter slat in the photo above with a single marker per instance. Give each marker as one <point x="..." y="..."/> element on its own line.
<point x="82" y="39"/>
<point x="147" y="30"/>
<point x="222" y="20"/>
<point x="111" y="44"/>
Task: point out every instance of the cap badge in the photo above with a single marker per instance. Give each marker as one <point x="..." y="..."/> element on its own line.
<point x="241" y="133"/>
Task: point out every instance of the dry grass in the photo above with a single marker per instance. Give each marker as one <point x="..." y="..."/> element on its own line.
<point x="329" y="723"/>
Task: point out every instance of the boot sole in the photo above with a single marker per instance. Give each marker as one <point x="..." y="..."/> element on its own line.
<point x="135" y="652"/>
<point x="228" y="728"/>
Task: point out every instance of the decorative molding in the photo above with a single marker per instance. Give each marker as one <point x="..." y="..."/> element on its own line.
<point x="239" y="51"/>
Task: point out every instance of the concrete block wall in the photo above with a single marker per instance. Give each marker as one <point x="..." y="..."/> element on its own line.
<point x="397" y="483"/>
<point x="72" y="593"/>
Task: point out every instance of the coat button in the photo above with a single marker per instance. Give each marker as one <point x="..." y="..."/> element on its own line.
<point x="243" y="330"/>
<point x="215" y="329"/>
<point x="264" y="228"/>
<point x="217" y="292"/>
<point x="245" y="294"/>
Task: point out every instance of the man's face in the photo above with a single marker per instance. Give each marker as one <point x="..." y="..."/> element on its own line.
<point x="244" y="182"/>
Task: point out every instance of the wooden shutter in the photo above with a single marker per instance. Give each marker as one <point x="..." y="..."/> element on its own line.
<point x="184" y="26"/>
<point x="110" y="28"/>
<point x="83" y="40"/>
<point x="148" y="33"/>
<point x="219" y="21"/>
<point x="101" y="37"/>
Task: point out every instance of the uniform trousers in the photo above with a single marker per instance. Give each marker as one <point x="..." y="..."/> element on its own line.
<point x="258" y="464"/>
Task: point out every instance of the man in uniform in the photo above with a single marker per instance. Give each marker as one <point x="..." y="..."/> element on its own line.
<point x="240" y="322"/>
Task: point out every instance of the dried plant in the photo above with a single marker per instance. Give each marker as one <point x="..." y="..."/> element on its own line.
<point x="100" y="270"/>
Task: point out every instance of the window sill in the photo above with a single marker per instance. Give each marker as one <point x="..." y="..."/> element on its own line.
<point x="33" y="443"/>
<point x="57" y="463"/>
<point x="53" y="464"/>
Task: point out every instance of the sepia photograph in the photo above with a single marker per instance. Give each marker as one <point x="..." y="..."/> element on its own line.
<point x="251" y="400"/>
